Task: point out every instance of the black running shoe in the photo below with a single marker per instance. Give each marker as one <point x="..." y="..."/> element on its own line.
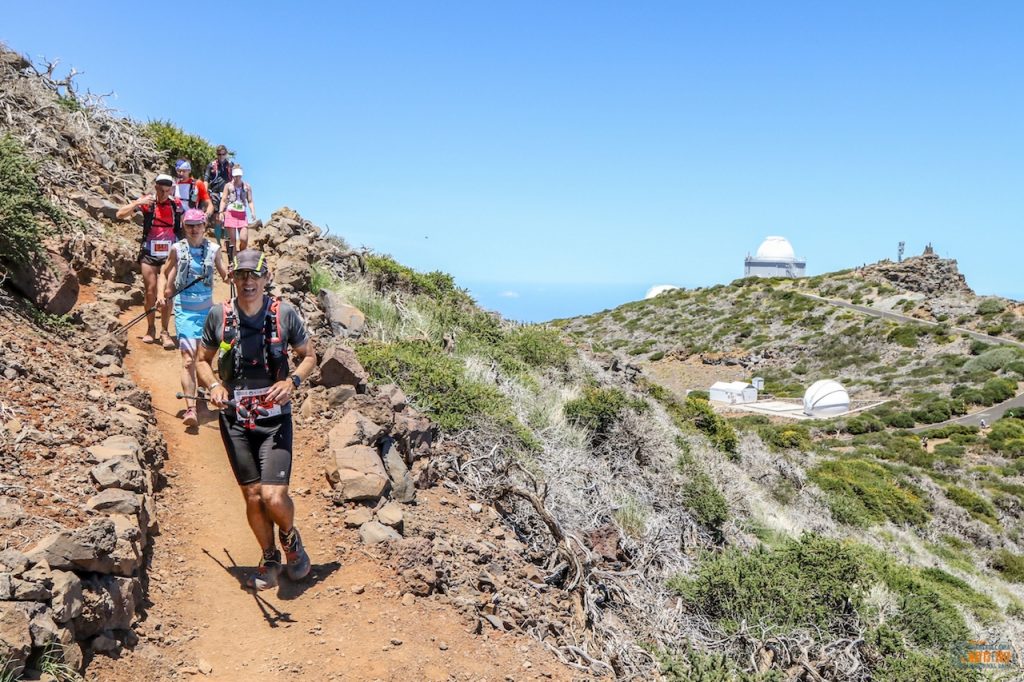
<point x="298" y="561"/>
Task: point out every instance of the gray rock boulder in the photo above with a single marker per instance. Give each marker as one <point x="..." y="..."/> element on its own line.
<point x="345" y="319"/>
<point x="403" y="488"/>
<point x="66" y="602"/>
<point x="355" y="429"/>
<point x="48" y="282"/>
<point x="115" y="501"/>
<point x="114" y="446"/>
<point x="373" y="533"/>
<point x="122" y="471"/>
<point x="85" y="549"/>
<point x="359" y="473"/>
<point x="15" y="639"/>
<point x="340" y="366"/>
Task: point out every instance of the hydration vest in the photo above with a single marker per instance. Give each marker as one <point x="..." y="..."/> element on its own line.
<point x="148" y="218"/>
<point x="271" y="356"/>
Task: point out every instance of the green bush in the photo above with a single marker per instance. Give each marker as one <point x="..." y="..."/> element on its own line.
<point x="917" y="667"/>
<point x="700" y="413"/>
<point x="810" y="582"/>
<point x="992" y="360"/>
<point x="322" y="277"/>
<point x="899" y="420"/>
<point x="598" y="409"/>
<point x="1007" y="437"/>
<point x="437" y="383"/>
<point x="176" y="144"/>
<point x="706" y="502"/>
<point x="1010" y="565"/>
<point x="976" y="505"/>
<point x="906" y="335"/>
<point x="998" y="390"/>
<point x="388" y="274"/>
<point x="538" y="346"/>
<point x="22" y="206"/>
<point x="698" y="666"/>
<point x="786" y="436"/>
<point x="864" y="423"/>
<point x="990" y="306"/>
<point x="863" y="493"/>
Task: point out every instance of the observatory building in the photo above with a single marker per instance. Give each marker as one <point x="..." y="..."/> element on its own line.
<point x="774" y="258"/>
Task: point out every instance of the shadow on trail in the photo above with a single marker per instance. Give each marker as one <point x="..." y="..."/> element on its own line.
<point x="286" y="590"/>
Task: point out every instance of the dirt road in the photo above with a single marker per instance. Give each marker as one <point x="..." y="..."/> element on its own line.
<point x="347" y="621"/>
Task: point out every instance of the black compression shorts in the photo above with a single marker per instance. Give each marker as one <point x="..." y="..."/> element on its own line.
<point x="263" y="454"/>
<point x="145" y="257"/>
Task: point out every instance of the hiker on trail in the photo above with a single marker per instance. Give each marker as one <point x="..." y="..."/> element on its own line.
<point x="237" y="197"/>
<point x="218" y="174"/>
<point x="161" y="227"/>
<point x="193" y="258"/>
<point x="255" y="331"/>
<point x="190" y="192"/>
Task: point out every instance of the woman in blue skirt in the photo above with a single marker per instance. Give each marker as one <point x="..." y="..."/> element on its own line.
<point x="188" y="277"/>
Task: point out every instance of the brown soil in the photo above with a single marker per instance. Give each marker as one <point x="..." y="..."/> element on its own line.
<point x="201" y="622"/>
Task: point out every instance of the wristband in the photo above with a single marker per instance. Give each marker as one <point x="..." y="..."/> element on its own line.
<point x="214" y="385"/>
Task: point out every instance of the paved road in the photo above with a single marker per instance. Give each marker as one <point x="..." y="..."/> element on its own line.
<point x="897" y="317"/>
<point x="989" y="414"/>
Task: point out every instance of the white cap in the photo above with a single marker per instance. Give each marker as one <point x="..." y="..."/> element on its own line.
<point x="164" y="179"/>
<point x="236" y="173"/>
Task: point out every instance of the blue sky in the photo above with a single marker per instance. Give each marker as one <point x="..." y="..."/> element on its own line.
<point x="561" y="158"/>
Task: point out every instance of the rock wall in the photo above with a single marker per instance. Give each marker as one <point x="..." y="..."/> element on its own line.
<point x="926" y="274"/>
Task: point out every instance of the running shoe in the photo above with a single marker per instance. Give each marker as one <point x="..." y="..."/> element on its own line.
<point x="190" y="418"/>
<point x="266" y="574"/>
<point x="298" y="561"/>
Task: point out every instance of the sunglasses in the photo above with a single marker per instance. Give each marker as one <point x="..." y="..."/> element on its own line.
<point x="247" y="274"/>
<point x="222" y="153"/>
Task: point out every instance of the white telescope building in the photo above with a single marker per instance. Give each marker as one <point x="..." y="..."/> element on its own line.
<point x="774" y="258"/>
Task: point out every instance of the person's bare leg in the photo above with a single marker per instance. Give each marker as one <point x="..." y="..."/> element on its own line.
<point x="149" y="275"/>
<point x="243" y="238"/>
<point x="256" y="513"/>
<point x="188" y="374"/>
<point x="278" y="505"/>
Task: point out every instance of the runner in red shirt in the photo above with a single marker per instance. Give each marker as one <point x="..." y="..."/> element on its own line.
<point x="161" y="227"/>
<point x="190" y="192"/>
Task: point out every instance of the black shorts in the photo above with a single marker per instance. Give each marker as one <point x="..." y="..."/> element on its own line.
<point x="263" y="454"/>
<point x="145" y="257"/>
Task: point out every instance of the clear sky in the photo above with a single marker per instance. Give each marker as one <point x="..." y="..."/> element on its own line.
<point x="561" y="158"/>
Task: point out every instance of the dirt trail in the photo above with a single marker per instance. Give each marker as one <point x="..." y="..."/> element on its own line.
<point x="202" y="622"/>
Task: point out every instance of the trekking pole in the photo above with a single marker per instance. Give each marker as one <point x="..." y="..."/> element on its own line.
<point x="135" y="320"/>
<point x="242" y="412"/>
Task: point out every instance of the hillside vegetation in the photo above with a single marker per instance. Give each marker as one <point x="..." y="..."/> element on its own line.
<point x="661" y="536"/>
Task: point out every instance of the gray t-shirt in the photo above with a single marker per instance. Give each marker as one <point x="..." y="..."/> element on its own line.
<point x="251" y="339"/>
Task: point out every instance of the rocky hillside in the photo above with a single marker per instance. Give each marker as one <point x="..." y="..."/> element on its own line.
<point x="526" y="484"/>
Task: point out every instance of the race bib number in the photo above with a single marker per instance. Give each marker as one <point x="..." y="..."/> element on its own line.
<point x="236" y="206"/>
<point x="254" y="397"/>
<point x="160" y="248"/>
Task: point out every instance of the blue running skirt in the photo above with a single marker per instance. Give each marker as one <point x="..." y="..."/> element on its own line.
<point x="189" y="323"/>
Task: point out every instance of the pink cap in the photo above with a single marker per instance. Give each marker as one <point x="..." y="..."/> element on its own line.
<point x="193" y="216"/>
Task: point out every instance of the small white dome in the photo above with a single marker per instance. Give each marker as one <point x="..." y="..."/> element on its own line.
<point x="826" y="398"/>
<point x="776" y="248"/>
<point x="659" y="289"/>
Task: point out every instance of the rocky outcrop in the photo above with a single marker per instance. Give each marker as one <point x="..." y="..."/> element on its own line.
<point x="48" y="281"/>
<point x="926" y="274"/>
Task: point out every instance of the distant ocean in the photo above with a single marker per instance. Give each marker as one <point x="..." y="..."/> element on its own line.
<point x="543" y="302"/>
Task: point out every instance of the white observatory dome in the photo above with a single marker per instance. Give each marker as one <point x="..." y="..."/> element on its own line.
<point x="826" y="398"/>
<point x="659" y="289"/>
<point x="776" y="248"/>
